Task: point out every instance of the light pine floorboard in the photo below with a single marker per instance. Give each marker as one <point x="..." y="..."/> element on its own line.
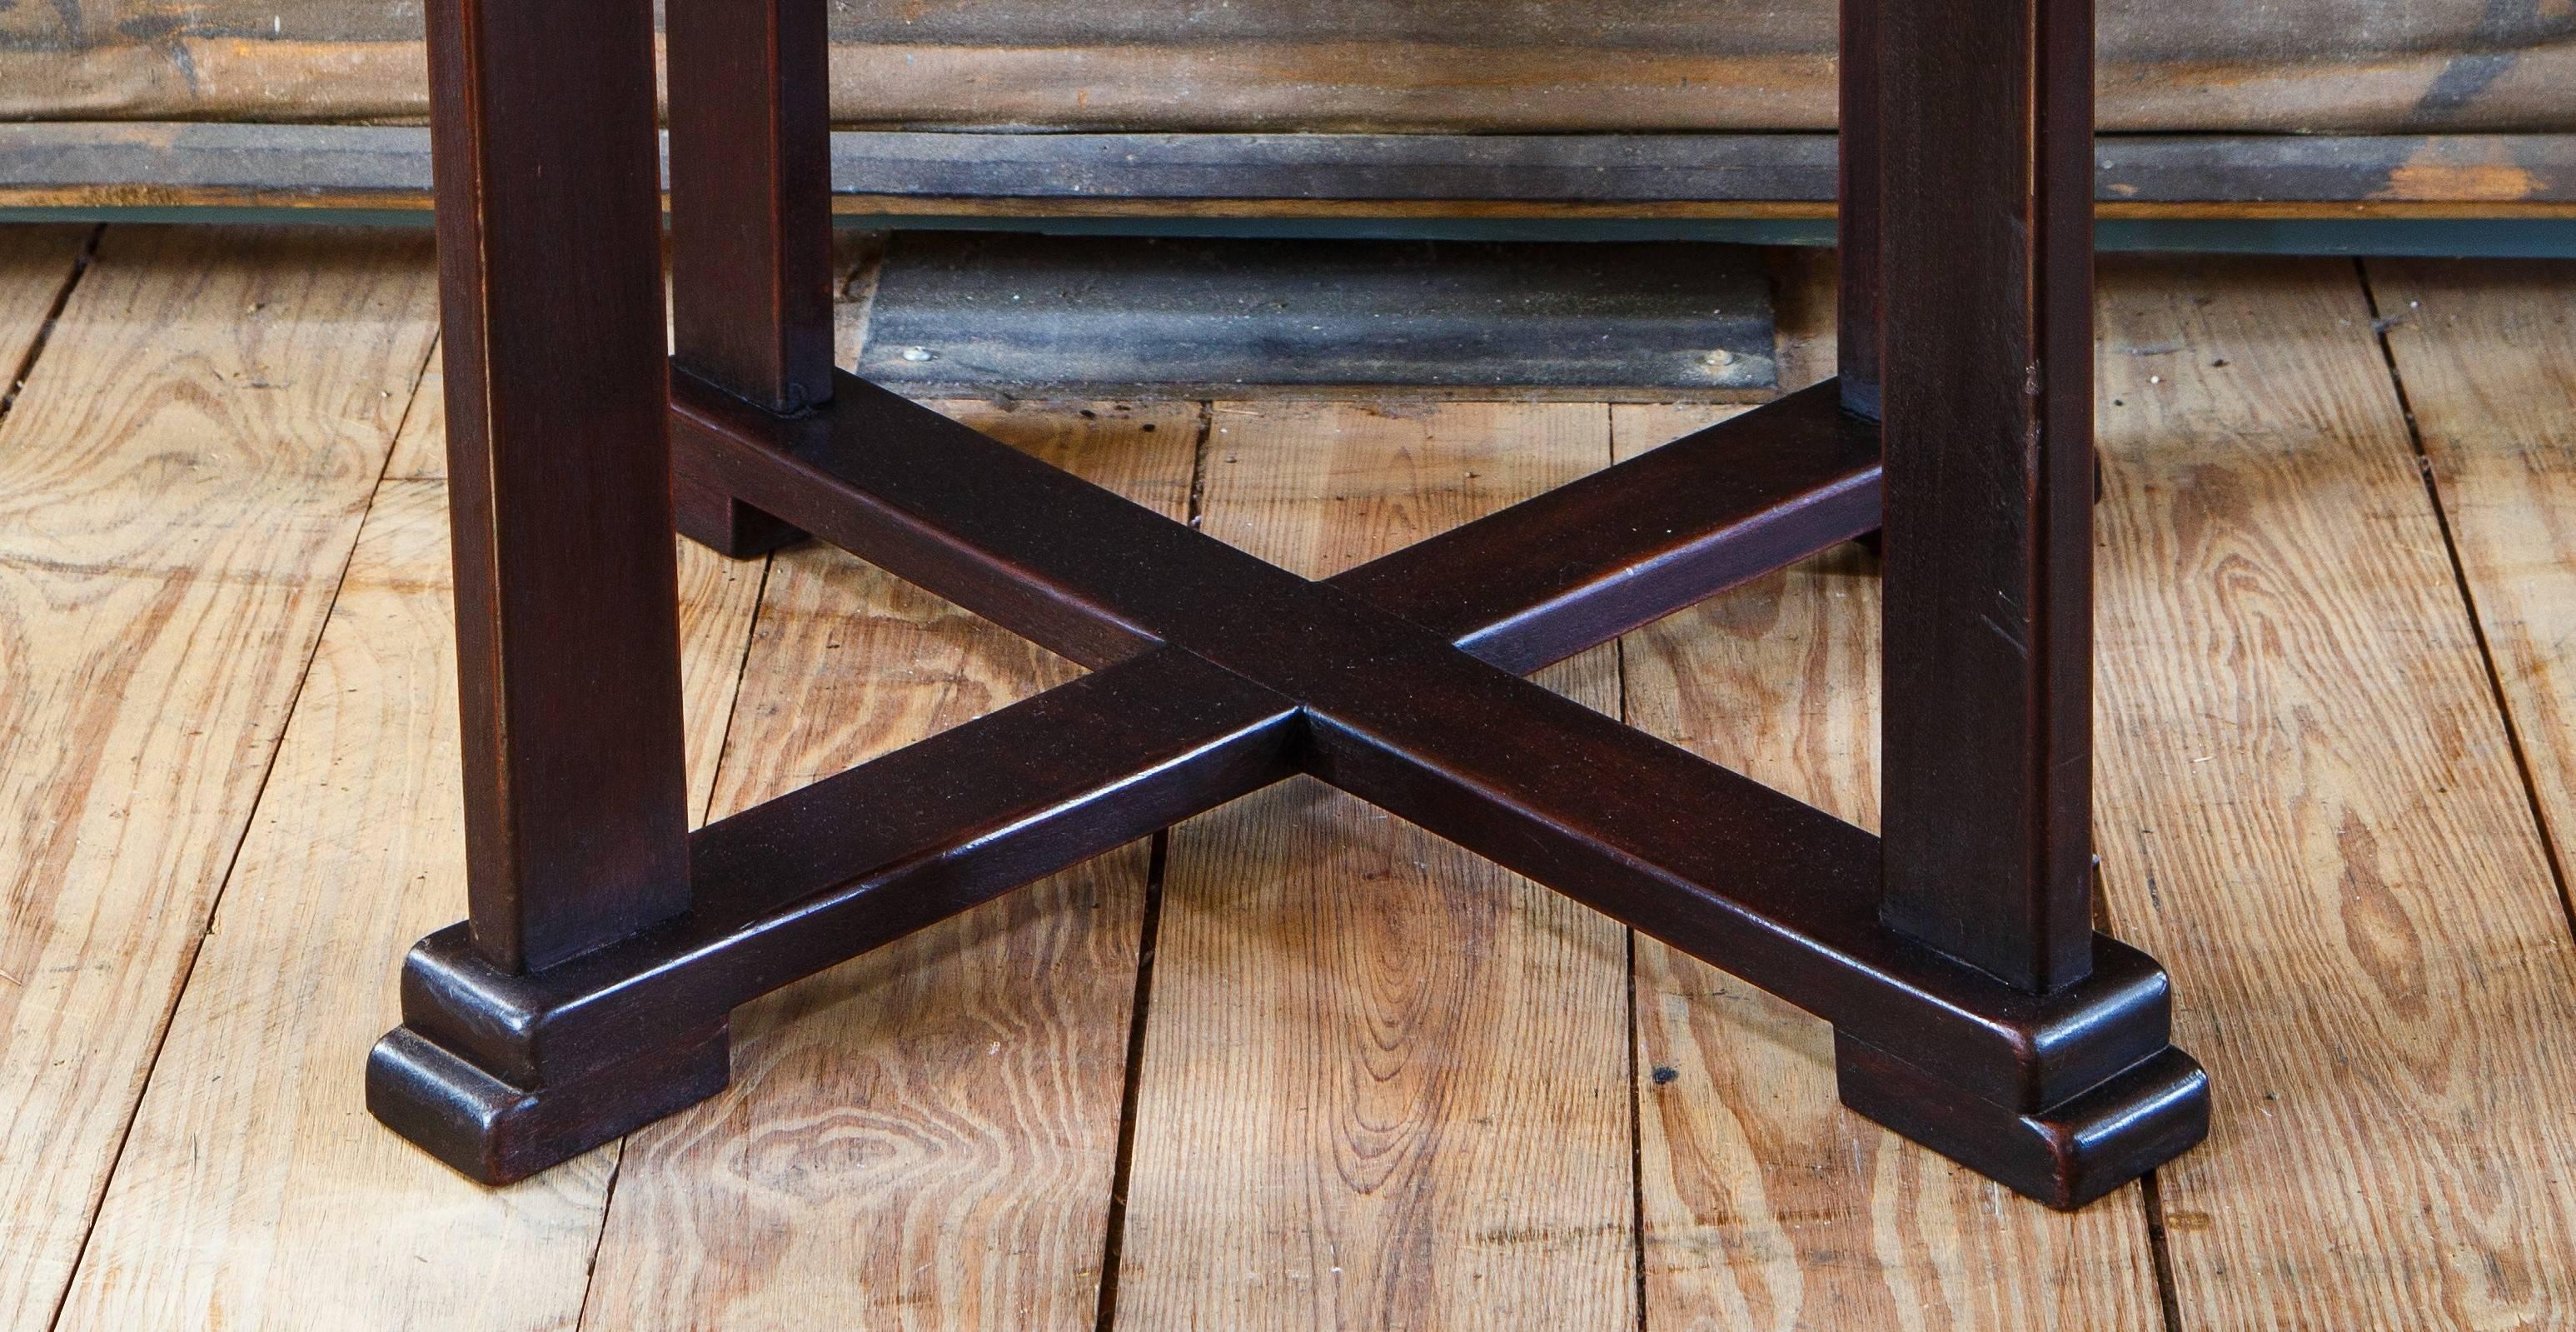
<point x="1384" y="1083"/>
<point x="257" y="1191"/>
<point x="924" y="1137"/>
<point x="1766" y="1204"/>
<point x="181" y="482"/>
<point x="37" y="267"/>
<point x="2309" y="809"/>
<point x="2487" y="355"/>
<point x="322" y="1219"/>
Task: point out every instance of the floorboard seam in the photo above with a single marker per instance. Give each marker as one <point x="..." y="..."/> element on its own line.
<point x="2379" y="324"/>
<point x="2151" y="1209"/>
<point x="17" y="381"/>
<point x="1198" y="465"/>
<point x="2151" y="1202"/>
<point x="1114" y="1227"/>
<point x="1149" y="934"/>
<point x="741" y="672"/>
<point x="250" y="816"/>
<point x="599" y="1235"/>
<point x="724" y="741"/>
<point x="1636" y="1105"/>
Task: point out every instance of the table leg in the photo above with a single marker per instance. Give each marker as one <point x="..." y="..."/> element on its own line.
<point x="751" y="219"/>
<point x="1983" y="115"/>
<point x="566" y="590"/>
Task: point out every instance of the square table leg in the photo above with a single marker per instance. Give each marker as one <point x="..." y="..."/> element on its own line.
<point x="1976" y="1009"/>
<point x="751" y="225"/>
<point x="576" y="820"/>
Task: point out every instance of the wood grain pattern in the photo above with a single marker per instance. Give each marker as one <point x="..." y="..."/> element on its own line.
<point x="2309" y="811"/>
<point x="1542" y="83"/>
<point x="180" y="485"/>
<point x="1645" y="65"/>
<point x="2487" y="354"/>
<point x="322" y="1218"/>
<point x="256" y="1191"/>
<point x="925" y="1136"/>
<point x="1767" y="1204"/>
<point x="1383" y="1081"/>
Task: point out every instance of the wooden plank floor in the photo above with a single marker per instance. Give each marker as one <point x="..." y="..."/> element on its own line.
<point x="1293" y="1064"/>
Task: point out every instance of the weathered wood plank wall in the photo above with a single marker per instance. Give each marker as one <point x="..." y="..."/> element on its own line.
<point x="2302" y="66"/>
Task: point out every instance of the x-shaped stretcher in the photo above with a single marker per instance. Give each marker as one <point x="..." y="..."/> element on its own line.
<point x="1975" y="1008"/>
<point x="1398" y="681"/>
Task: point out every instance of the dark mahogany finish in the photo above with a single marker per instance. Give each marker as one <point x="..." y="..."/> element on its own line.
<point x="1858" y="327"/>
<point x="1975" y="1009"/>
<point x="751" y="222"/>
<point x="567" y="620"/>
<point x="1989" y="525"/>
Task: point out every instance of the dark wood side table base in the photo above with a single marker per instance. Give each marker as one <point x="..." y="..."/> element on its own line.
<point x="1976" y="1010"/>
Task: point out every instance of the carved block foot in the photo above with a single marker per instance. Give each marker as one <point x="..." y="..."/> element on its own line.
<point x="2064" y="1155"/>
<point x="499" y="1133"/>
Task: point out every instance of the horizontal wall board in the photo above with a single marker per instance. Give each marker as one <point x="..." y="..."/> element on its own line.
<point x="1030" y="316"/>
<point x="106" y="164"/>
<point x="2184" y="66"/>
